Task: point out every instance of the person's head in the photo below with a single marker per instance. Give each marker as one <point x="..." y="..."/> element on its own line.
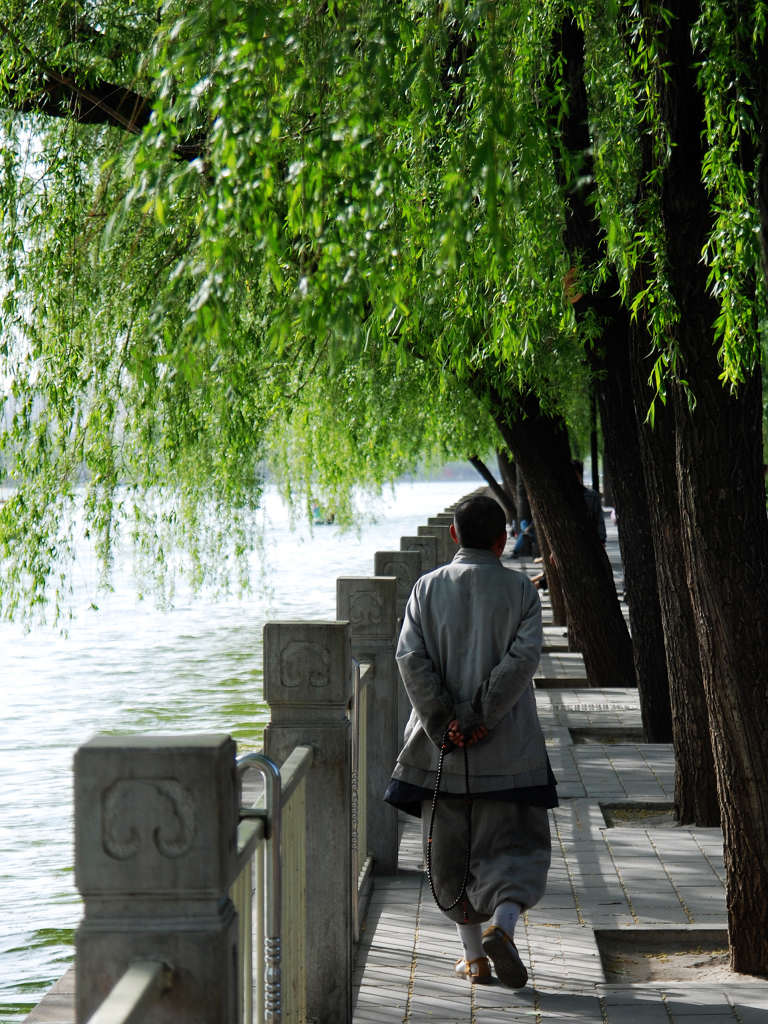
<point x="480" y="522"/>
<point x="578" y="468"/>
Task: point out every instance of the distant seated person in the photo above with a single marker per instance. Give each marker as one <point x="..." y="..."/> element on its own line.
<point x="592" y="501"/>
<point x="526" y="545"/>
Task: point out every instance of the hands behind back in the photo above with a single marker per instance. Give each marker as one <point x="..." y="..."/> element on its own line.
<point x="458" y="739"/>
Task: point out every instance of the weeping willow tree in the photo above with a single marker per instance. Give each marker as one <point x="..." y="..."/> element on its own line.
<point x="699" y="220"/>
<point x="325" y="238"/>
<point x="234" y="198"/>
<point x="149" y="344"/>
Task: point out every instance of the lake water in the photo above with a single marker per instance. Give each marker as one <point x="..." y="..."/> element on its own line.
<point x="130" y="668"/>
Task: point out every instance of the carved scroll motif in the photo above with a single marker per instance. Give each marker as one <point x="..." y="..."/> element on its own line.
<point x="365" y="609"/>
<point x="147" y="814"/>
<point x="401" y="570"/>
<point x="303" y="663"/>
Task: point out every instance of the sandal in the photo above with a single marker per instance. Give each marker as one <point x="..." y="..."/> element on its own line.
<point x="510" y="969"/>
<point x="477" y="971"/>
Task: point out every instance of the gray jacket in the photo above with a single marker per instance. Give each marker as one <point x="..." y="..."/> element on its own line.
<point x="469" y="646"/>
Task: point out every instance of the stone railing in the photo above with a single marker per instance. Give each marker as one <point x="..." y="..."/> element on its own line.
<point x="184" y="868"/>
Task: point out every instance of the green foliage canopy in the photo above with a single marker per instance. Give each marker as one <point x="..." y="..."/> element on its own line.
<point x="310" y="239"/>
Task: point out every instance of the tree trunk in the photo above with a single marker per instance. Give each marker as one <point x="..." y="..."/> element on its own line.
<point x="499" y="492"/>
<point x="540" y="447"/>
<point x="608" y="499"/>
<point x="724" y="526"/>
<point x="695" y="786"/>
<point x="508" y="474"/>
<point x="554" y="585"/>
<point x="622" y="443"/>
<point x="593" y="438"/>
<point x="726" y="552"/>
<point x="521" y="500"/>
<point x="608" y="356"/>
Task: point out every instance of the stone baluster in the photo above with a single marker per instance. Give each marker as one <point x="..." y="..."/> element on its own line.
<point x="446" y="546"/>
<point x="155" y="845"/>
<point x="426" y="546"/>
<point x="441" y="519"/>
<point x="369" y="603"/>
<point x="308" y="685"/>
<point x="405" y="566"/>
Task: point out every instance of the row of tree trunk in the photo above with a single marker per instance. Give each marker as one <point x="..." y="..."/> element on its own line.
<point x="690" y="498"/>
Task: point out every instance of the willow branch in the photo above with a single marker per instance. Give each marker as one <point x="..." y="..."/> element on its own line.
<point x="58" y="94"/>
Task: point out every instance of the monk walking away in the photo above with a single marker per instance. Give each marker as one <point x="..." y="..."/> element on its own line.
<point x="470" y="643"/>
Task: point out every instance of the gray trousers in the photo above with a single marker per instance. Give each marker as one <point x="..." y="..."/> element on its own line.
<point x="509" y="858"/>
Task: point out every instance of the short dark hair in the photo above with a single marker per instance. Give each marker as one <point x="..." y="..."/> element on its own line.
<point x="479" y="522"/>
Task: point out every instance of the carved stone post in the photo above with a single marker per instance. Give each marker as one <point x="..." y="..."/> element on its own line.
<point x="155" y="844"/>
<point x="308" y="685"/>
<point x="446" y="547"/>
<point x="441" y="519"/>
<point x="369" y="605"/>
<point x="405" y="566"/>
<point x="426" y="546"/>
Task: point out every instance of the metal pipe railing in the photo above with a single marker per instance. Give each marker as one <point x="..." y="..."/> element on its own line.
<point x="272" y="816"/>
<point x="355" y="794"/>
<point x="267" y="823"/>
<point x="250" y="856"/>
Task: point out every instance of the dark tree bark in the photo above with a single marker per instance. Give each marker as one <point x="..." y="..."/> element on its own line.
<point x="724" y="526"/>
<point x="508" y="474"/>
<point x="695" y="785"/>
<point x="593" y="440"/>
<point x="63" y="93"/>
<point x="608" y="498"/>
<point x="622" y="442"/>
<point x="539" y="444"/>
<point x="608" y="357"/>
<point x="498" y="491"/>
<point x="554" y="586"/>
<point x="521" y="499"/>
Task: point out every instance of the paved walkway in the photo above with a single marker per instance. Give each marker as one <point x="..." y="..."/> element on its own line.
<point x="624" y="878"/>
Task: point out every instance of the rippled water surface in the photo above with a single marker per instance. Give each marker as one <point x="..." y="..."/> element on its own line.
<point x="129" y="668"/>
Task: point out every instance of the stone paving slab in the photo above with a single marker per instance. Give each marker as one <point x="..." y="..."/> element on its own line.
<point x="58" y="1006"/>
<point x="561" y="668"/>
<point x="655" y="883"/>
<point x="555" y="639"/>
<point x="597" y="707"/>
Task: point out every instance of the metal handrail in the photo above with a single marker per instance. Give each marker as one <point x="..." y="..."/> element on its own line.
<point x="272" y="816"/>
<point x="257" y="823"/>
<point x="142" y="984"/>
<point x="362" y="676"/>
<point x="355" y="792"/>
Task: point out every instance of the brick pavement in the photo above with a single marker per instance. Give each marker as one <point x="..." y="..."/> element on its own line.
<point x="621" y="872"/>
<point x="660" y="882"/>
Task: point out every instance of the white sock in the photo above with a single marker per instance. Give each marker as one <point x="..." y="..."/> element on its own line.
<point x="470" y="936"/>
<point x="506" y="915"/>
